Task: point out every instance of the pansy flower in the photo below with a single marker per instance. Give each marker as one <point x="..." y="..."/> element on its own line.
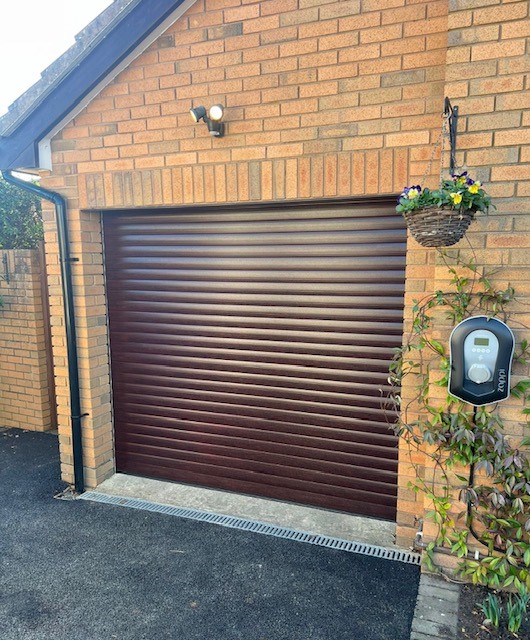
<point x="460" y="178"/>
<point x="456" y="197"/>
<point x="474" y="187"/>
<point x="411" y="192"/>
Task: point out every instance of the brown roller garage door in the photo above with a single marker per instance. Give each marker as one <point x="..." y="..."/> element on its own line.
<point x="250" y="349"/>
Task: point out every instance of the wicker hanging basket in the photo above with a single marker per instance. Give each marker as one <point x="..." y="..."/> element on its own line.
<point x="438" y="226"/>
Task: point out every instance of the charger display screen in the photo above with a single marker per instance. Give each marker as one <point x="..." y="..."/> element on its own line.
<point x="481" y="342"/>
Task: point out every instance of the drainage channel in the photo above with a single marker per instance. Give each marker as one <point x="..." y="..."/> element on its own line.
<point x="256" y="527"/>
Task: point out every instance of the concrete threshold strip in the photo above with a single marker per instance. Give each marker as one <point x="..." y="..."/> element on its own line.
<point x="254" y="526"/>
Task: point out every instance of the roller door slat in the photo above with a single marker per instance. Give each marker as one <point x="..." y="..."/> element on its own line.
<point x="310" y="442"/>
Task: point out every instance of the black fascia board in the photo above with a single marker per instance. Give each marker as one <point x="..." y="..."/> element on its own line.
<point x="20" y="149"/>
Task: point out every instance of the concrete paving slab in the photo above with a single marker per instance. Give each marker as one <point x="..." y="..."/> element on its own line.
<point x="437" y="593"/>
<point x="438" y="606"/>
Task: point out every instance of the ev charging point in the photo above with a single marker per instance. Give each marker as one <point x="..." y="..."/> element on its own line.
<point x="481" y="357"/>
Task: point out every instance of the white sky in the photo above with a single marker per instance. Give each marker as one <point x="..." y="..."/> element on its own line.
<point x="33" y="33"/>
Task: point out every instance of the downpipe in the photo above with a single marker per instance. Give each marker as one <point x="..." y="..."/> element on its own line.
<point x="69" y="317"/>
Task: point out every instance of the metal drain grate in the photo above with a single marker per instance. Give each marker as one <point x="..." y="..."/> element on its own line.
<point x="257" y="527"/>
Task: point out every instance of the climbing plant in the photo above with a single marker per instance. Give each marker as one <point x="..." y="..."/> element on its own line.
<point x="480" y="487"/>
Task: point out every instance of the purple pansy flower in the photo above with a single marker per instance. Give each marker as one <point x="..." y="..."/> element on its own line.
<point x="407" y="189"/>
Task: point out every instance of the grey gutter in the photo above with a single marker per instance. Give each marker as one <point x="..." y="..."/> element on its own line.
<point x="69" y="317"/>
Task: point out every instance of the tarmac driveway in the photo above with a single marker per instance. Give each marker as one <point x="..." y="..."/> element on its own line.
<point x="86" y="571"/>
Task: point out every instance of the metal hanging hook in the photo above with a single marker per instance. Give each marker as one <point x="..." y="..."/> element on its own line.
<point x="451" y="114"/>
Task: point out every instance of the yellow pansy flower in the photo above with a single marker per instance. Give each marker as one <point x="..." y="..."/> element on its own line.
<point x="412" y="193"/>
<point x="457" y="197"/>
<point x="475" y="187"/>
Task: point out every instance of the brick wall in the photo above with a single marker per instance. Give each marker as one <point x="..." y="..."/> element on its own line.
<point x="26" y="395"/>
<point x="487" y="77"/>
<point x="323" y="99"/>
<point x="315" y="94"/>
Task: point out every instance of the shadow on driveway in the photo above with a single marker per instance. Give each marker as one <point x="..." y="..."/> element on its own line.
<point x="86" y="571"/>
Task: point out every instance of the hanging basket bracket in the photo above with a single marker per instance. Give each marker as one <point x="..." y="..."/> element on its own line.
<point x="452" y="120"/>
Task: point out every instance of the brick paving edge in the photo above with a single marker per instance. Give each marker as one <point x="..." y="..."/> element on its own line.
<point x="436" y="612"/>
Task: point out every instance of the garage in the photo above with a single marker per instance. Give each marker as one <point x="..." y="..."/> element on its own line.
<point x="250" y="348"/>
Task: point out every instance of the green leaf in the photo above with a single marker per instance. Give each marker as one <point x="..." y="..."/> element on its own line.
<point x="437" y="346"/>
<point x="520" y="388"/>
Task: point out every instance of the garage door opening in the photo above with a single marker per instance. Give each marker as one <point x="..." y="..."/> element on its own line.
<point x="250" y="349"/>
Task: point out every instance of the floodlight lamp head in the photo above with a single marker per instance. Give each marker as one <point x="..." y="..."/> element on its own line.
<point x="216" y="112"/>
<point x="198" y="113"/>
<point x="212" y="120"/>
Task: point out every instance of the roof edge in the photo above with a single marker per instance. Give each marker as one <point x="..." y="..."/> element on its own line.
<point x="83" y="76"/>
<point x="87" y="38"/>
